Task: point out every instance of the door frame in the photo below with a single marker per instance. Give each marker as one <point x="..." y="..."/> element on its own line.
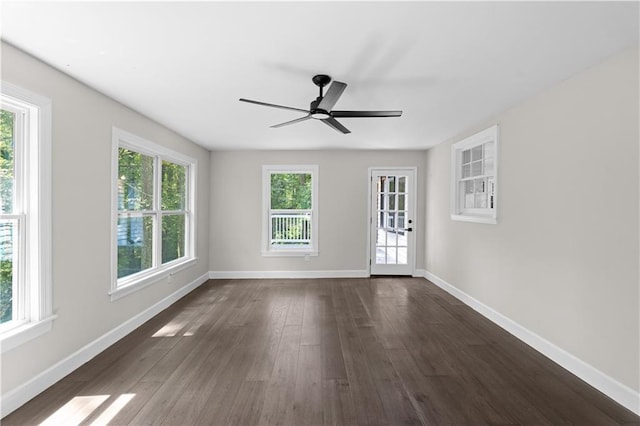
<point x="413" y="193"/>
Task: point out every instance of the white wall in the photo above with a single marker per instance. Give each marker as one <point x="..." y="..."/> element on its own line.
<point x="236" y="208"/>
<point x="81" y="151"/>
<point x="563" y="259"/>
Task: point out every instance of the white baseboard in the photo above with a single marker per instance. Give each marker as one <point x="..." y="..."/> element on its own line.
<point x="617" y="391"/>
<point x="287" y="274"/>
<point x="15" y="398"/>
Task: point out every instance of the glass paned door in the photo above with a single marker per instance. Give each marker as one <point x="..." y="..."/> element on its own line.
<point x="392" y="221"/>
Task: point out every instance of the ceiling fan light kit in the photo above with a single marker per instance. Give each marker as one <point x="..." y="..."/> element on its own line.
<point x="322" y="107"/>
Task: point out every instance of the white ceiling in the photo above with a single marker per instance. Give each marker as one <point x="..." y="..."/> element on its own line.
<point x="447" y="65"/>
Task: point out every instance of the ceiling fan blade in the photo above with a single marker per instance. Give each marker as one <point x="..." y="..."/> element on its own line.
<point x="332" y="122"/>
<point x="297" y="120"/>
<point x="272" y="105"/>
<point x="331" y="97"/>
<point x="366" y="113"/>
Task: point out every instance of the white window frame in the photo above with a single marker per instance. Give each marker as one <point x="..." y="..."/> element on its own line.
<point x="478" y="215"/>
<point x="267" y="248"/>
<point x="121" y="287"/>
<point x="34" y="307"/>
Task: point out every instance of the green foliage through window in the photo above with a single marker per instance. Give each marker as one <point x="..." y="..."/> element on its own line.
<point x="290" y="191"/>
<point x="141" y="215"/>
<point x="7" y="157"/>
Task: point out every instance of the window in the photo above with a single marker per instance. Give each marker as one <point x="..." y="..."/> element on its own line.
<point x="474" y="172"/>
<point x="153" y="193"/>
<point x="290" y="210"/>
<point x="25" y="216"/>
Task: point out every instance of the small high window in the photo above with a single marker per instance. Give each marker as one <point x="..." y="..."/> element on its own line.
<point x="290" y="210"/>
<point x="474" y="170"/>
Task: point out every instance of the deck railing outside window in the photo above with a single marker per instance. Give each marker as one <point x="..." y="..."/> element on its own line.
<point x="291" y="228"/>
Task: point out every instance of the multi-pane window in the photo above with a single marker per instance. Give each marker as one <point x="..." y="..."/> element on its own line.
<point x="474" y="171"/>
<point x="290" y="209"/>
<point x="25" y="215"/>
<point x="154" y="215"/>
<point x="477" y="183"/>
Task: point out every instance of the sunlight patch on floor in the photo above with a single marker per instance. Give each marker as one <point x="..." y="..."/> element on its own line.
<point x="75" y="411"/>
<point x="169" y="330"/>
<point x="115" y="407"/>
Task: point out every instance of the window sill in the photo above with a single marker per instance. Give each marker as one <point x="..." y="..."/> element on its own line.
<point x="151" y="278"/>
<point x="17" y="336"/>
<point x="289" y="253"/>
<point x="474" y="218"/>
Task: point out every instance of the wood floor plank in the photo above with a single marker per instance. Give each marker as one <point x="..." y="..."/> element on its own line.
<point x="379" y="351"/>
<point x="281" y="386"/>
<point x="307" y="400"/>
<point x="337" y="403"/>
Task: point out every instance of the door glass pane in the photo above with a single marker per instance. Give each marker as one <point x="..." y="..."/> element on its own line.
<point x="135" y="180"/>
<point x="392" y="202"/>
<point x="174" y="186"/>
<point x="135" y="244"/>
<point x="402" y="255"/>
<point x="392" y="183"/>
<point x="7" y="161"/>
<point x="8" y="276"/>
<point x="380" y="184"/>
<point x="401" y="201"/>
<point x="402" y="184"/>
<point x="391" y="255"/>
<point x="173" y="237"/>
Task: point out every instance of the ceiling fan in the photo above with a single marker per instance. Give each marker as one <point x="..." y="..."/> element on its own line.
<point x="321" y="108"/>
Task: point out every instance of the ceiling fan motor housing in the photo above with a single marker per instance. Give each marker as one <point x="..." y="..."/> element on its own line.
<point x="316" y="112"/>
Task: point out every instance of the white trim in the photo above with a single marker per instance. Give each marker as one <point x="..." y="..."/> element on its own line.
<point x="475" y="219"/>
<point x="617" y="391"/>
<point x="15" y="398"/>
<point x="158" y="274"/>
<point x="288" y="274"/>
<point x="22" y="334"/>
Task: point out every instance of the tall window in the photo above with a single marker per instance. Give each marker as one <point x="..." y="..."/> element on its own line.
<point x="25" y="215"/>
<point x="473" y="181"/>
<point x="290" y="210"/>
<point x="153" y="192"/>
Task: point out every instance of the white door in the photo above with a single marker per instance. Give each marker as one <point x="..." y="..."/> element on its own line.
<point x="393" y="194"/>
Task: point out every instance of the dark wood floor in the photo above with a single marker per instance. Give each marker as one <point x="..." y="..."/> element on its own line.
<point x="314" y="352"/>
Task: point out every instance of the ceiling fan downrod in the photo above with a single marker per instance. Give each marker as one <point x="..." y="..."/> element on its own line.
<point x="321" y="80"/>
